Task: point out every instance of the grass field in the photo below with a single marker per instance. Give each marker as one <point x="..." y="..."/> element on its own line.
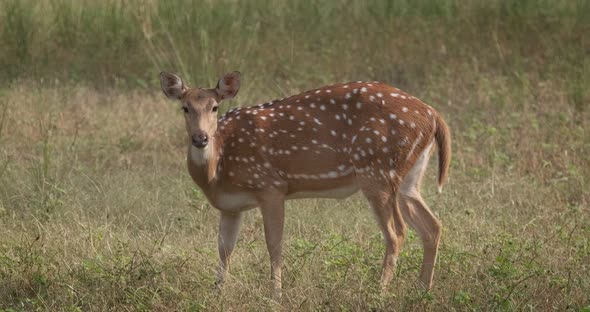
<point x="97" y="211"/>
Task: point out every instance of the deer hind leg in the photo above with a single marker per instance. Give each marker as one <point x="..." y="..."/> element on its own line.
<point x="420" y="217"/>
<point x="384" y="204"/>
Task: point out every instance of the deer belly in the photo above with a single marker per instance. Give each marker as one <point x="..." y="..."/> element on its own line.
<point x="336" y="193"/>
<point x="235" y="201"/>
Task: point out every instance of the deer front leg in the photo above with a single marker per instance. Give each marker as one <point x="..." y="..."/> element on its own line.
<point x="273" y="215"/>
<point x="229" y="227"/>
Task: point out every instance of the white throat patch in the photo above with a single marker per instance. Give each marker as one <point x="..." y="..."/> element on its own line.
<point x="200" y="156"/>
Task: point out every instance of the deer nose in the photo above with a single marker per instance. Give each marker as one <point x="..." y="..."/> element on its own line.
<point x="200" y="140"/>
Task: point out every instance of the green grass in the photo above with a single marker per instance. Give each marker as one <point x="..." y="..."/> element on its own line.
<point x="305" y="42"/>
<point x="97" y="211"/>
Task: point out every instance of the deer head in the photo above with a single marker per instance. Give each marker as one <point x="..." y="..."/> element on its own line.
<point x="200" y="105"/>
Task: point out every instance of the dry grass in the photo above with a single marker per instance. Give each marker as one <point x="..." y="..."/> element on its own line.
<point x="98" y="212"/>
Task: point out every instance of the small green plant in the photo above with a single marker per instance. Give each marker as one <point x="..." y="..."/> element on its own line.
<point x="462" y="298"/>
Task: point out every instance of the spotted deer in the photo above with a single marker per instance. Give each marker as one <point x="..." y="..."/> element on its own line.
<point x="328" y="142"/>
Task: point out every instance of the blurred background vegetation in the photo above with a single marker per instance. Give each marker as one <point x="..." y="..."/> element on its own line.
<point x="97" y="211"/>
<point x="305" y="42"/>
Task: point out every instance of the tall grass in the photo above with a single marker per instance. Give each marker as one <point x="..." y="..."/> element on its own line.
<point x="308" y="41"/>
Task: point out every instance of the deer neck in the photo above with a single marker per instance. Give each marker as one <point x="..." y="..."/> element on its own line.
<point x="203" y="162"/>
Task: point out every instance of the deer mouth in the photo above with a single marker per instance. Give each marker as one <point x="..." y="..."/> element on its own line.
<point x="200" y="145"/>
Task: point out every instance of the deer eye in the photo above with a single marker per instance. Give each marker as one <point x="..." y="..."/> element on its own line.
<point x="215" y="108"/>
<point x="185" y="109"/>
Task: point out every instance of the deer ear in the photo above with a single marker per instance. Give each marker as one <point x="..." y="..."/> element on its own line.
<point x="172" y="85"/>
<point x="228" y="86"/>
